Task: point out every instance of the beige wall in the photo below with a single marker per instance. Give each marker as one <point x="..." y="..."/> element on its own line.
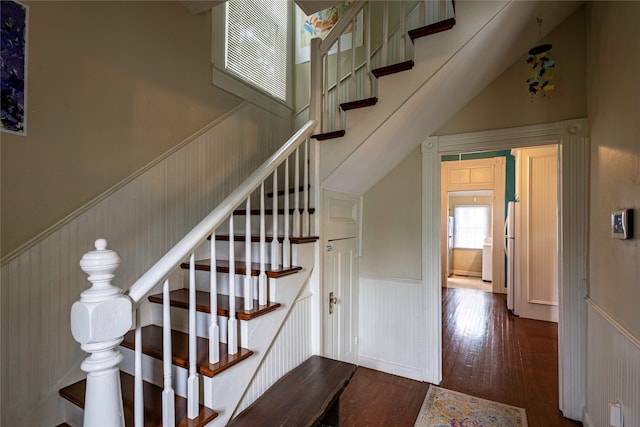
<point x="391" y="223"/>
<point x="506" y="101"/>
<point x="613" y="64"/>
<point x="111" y="86"/>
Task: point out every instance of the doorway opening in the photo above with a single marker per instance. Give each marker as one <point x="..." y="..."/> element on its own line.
<point x="470" y="238"/>
<point x="573" y="172"/>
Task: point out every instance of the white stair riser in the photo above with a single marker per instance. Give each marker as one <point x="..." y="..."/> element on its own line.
<point x="203" y="279"/>
<point x="222" y="251"/>
<point x="180" y="321"/>
<point x="152" y="371"/>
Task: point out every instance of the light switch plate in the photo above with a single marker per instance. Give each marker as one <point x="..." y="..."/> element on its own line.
<point x="622" y="224"/>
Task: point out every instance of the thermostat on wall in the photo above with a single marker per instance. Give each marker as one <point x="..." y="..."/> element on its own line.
<point x="622" y="224"/>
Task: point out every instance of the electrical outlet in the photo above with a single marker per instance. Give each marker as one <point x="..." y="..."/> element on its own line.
<point x="615" y="414"/>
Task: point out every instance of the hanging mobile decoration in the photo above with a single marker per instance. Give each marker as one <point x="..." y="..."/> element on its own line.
<point x="541" y="68"/>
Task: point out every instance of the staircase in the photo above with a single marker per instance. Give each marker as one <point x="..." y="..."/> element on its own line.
<point x="182" y="345"/>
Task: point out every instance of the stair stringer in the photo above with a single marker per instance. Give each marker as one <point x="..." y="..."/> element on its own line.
<point x="454" y="66"/>
<point x="225" y="391"/>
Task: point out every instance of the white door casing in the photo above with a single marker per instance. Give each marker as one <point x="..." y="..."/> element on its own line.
<point x="341" y="227"/>
<point x="573" y="179"/>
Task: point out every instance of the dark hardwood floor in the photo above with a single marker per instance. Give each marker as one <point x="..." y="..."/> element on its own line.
<point x="487" y="352"/>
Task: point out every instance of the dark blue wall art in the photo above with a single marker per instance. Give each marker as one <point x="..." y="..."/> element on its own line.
<point x="13" y="56"/>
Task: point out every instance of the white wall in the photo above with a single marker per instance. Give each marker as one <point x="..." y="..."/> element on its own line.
<point x="612" y="61"/>
<point x="141" y="220"/>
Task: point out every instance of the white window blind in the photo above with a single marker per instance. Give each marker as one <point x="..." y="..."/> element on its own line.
<point x="470" y="226"/>
<point x="257" y="47"/>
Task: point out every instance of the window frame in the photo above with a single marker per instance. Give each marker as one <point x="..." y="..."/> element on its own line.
<point x="234" y="84"/>
<point x="456" y="225"/>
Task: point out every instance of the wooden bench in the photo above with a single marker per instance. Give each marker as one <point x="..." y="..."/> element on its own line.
<point x="309" y="395"/>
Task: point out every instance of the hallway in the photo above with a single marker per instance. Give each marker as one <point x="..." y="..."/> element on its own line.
<point x="487" y="352"/>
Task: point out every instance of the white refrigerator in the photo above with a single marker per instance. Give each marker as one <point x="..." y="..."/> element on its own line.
<point x="509" y="249"/>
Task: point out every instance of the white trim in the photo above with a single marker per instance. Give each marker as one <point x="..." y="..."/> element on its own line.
<point x="393" y="279"/>
<point x="571" y="135"/>
<point x="390" y="367"/>
<point x="84" y="208"/>
<point x="240" y="88"/>
<point x="586" y="419"/>
<point x="617" y="326"/>
<point x="467" y="272"/>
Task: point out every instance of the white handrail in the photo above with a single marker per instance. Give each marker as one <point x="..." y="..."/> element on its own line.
<point x="161" y="269"/>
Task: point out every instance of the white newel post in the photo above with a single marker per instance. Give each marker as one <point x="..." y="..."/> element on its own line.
<point x="99" y="322"/>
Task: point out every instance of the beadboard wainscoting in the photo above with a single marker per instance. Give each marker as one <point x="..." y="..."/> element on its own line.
<point x="613" y="369"/>
<point x="391" y="317"/>
<point x="141" y="218"/>
<point x="290" y="349"/>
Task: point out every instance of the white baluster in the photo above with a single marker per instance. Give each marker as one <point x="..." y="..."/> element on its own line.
<point x="403" y="32"/>
<point x="232" y="324"/>
<point x="274" y="242"/>
<point x="193" y="397"/>
<point x="337" y="111"/>
<point x="305" y="214"/>
<point x="385" y="33"/>
<point x="286" y="243"/>
<point x="325" y="95"/>
<point x="99" y="321"/>
<point x="214" y="329"/>
<point x="296" y="195"/>
<point x="248" y="283"/>
<point x="168" y="395"/>
<point x="262" y="279"/>
<point x="352" y="77"/>
<point x="369" y="89"/>
<point x="138" y="385"/>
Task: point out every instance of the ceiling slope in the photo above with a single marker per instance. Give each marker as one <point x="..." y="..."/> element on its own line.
<point x="452" y="67"/>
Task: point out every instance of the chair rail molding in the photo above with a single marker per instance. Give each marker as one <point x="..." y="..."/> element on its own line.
<point x="573" y="158"/>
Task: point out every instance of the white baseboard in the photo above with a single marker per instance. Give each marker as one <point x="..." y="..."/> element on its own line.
<point x="410" y="372"/>
<point x="467" y="273"/>
<point x="586" y="419"/>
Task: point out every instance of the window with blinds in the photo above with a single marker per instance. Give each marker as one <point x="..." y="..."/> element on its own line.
<point x="257" y="43"/>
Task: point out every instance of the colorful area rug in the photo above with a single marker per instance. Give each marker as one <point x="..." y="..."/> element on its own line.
<point x="446" y="408"/>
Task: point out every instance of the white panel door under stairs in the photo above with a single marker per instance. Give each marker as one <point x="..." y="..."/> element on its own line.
<point x="340" y="277"/>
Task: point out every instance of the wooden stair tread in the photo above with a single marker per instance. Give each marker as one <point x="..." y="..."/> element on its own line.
<point x="394" y="68"/>
<point x="361" y="103"/>
<point x="255" y="238"/>
<point x="290" y="191"/>
<point x="180" y="298"/>
<point x="152" y="346"/>
<point x="270" y="211"/>
<point x="222" y="266"/>
<point x="329" y="135"/>
<point x="427" y="30"/>
<point x="75" y="393"/>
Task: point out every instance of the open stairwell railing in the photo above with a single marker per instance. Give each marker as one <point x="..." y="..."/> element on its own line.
<point x="335" y="87"/>
<point x="104" y="314"/>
